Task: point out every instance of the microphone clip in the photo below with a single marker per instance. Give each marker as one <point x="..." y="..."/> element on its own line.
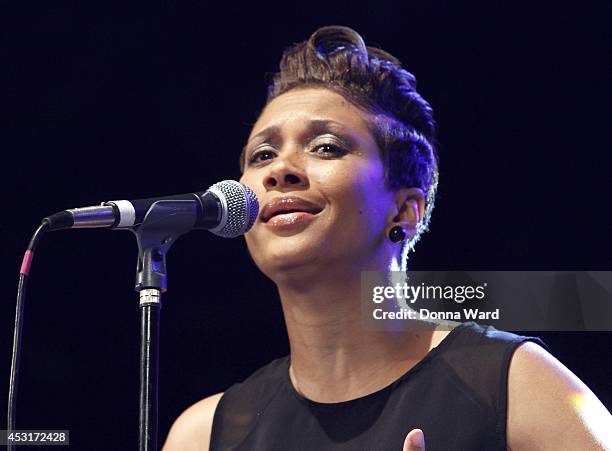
<point x="164" y="222"/>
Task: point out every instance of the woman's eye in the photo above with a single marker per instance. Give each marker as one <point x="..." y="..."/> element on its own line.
<point x="323" y="150"/>
<point x="329" y="150"/>
<point x="260" y="156"/>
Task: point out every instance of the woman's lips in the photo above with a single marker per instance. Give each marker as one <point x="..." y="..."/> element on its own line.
<point x="286" y="220"/>
<point x="288" y="209"/>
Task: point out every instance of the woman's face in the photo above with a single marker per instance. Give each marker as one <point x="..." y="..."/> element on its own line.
<point x="318" y="175"/>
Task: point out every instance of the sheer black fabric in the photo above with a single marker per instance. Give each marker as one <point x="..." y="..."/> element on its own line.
<point x="457" y="394"/>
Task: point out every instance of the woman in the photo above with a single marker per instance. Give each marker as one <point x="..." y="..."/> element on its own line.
<point x="343" y="161"/>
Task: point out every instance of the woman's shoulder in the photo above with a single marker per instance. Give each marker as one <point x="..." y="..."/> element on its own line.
<point x="549" y="407"/>
<point x="481" y="351"/>
<point x="476" y="332"/>
<point x="540" y="403"/>
<point x="192" y="429"/>
<point x="266" y="379"/>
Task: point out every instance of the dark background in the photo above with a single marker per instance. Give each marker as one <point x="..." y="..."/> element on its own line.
<point x="106" y="102"/>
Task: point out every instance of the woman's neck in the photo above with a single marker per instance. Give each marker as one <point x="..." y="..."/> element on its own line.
<point x="334" y="357"/>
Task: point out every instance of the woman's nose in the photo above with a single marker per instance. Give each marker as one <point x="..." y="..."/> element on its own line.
<point x="285" y="172"/>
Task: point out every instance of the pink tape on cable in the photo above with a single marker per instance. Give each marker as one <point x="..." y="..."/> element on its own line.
<point x="27" y="262"/>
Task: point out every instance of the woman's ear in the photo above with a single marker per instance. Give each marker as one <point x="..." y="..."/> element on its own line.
<point x="410" y="208"/>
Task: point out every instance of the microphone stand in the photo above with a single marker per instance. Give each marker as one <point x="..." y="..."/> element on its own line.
<point x="164" y="222"/>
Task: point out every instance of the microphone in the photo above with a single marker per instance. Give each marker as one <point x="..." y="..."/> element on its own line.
<point x="227" y="209"/>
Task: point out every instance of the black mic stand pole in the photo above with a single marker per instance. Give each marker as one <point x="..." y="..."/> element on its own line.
<point x="165" y="221"/>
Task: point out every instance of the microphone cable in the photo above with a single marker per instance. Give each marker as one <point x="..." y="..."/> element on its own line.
<point x="21" y="295"/>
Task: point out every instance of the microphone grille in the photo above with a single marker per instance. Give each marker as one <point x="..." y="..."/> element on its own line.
<point x="241" y="205"/>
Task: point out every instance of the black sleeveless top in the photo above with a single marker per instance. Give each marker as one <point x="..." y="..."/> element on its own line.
<point x="457" y="394"/>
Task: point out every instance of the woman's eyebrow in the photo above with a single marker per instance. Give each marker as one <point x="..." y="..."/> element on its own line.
<point x="325" y="124"/>
<point x="322" y="126"/>
<point x="272" y="131"/>
<point x="315" y="127"/>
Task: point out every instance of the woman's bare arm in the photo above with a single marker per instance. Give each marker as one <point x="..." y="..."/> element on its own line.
<point x="550" y="408"/>
<point x="191" y="430"/>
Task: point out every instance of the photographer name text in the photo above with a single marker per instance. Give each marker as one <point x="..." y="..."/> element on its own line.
<point x="425" y="314"/>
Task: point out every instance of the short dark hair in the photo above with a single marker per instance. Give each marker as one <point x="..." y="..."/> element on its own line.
<point x="336" y="58"/>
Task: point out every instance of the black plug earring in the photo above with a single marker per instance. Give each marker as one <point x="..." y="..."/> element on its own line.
<point x="397" y="234"/>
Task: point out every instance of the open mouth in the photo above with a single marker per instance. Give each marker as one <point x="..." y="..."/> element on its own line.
<point x="288" y="207"/>
<point x="286" y="212"/>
